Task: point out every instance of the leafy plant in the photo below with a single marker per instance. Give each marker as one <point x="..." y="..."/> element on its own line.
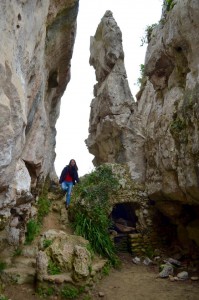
<point x="142" y="79"/>
<point x="169" y="4"/>
<point x="53" y="268"/>
<point x="2" y="266"/>
<point x="148" y="34"/>
<point x="91" y="219"/>
<point x="47" y="243"/>
<point x="33" y="229"/>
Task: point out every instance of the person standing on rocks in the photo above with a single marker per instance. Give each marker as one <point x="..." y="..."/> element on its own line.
<point x="69" y="177"/>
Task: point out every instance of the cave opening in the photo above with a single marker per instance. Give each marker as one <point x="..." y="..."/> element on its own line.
<point x="123" y="220"/>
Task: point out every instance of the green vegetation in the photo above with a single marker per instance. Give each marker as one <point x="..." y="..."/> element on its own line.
<point x="142" y="79"/>
<point x="2" y="266"/>
<point x="53" y="268"/>
<point x="17" y="252"/>
<point x="34" y="225"/>
<point x="45" y="291"/>
<point x="91" y="220"/>
<point x="87" y="297"/>
<point x="169" y="4"/>
<point x="2" y="297"/>
<point x="47" y="243"/>
<point x="43" y="208"/>
<point x="71" y="292"/>
<point x="106" y="269"/>
<point x="177" y="125"/>
<point x="148" y="34"/>
<point x="149" y="252"/>
<point x="33" y="229"/>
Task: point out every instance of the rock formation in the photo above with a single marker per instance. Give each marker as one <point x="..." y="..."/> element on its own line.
<point x="157" y="135"/>
<point x="112" y="132"/>
<point x="35" y="54"/>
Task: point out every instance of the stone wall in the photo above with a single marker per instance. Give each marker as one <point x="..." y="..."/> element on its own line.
<point x="37" y="39"/>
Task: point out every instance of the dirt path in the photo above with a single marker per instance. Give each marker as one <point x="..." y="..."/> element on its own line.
<point x="130" y="282"/>
<point x="134" y="282"/>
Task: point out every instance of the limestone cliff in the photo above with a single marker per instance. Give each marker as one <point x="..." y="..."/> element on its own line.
<point x="112" y="132"/>
<point x="37" y="39"/>
<point x="158" y="135"/>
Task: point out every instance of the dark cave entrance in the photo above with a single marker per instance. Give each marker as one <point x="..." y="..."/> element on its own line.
<point x="123" y="219"/>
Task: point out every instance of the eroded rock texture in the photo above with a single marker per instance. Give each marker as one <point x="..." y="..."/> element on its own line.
<point x="112" y="132"/>
<point x="158" y="136"/>
<point x="37" y="40"/>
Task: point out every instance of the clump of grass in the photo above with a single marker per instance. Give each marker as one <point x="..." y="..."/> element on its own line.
<point x="71" y="292"/>
<point x="91" y="220"/>
<point x="45" y="291"/>
<point x="106" y="269"/>
<point x="33" y="229"/>
<point x="53" y="268"/>
<point x="17" y="252"/>
<point x="47" y="243"/>
<point x="34" y="225"/>
<point x="43" y="208"/>
<point x="2" y="266"/>
<point x="2" y="297"/>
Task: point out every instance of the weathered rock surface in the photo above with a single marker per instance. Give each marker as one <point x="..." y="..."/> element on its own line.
<point x="112" y="135"/>
<point x="68" y="254"/>
<point x="35" y="52"/>
<point x="158" y="136"/>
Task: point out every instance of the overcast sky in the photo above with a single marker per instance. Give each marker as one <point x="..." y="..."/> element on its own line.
<point x="72" y="126"/>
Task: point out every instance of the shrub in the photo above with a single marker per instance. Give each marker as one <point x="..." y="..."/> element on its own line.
<point x="142" y="79"/>
<point x="91" y="218"/>
<point x="148" y="34"/>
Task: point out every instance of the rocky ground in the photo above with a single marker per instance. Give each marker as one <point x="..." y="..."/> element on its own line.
<point x="129" y="281"/>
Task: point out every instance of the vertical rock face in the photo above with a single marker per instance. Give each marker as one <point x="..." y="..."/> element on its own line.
<point x="37" y="40"/>
<point x="171" y="108"/>
<point x="111" y="125"/>
<point x="158" y="136"/>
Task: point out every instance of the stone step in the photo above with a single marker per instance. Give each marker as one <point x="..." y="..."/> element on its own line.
<point x="21" y="261"/>
<point x="19" y="275"/>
